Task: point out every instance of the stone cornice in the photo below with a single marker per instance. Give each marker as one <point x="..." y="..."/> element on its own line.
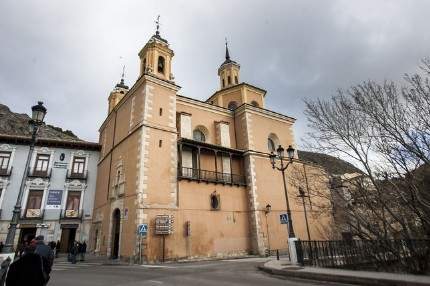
<point x="136" y="85"/>
<point x="238" y="86"/>
<point x="204" y="105"/>
<point x="264" y="112"/>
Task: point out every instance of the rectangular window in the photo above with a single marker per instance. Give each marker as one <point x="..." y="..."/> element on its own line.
<point x="73" y="200"/>
<point x="4" y="160"/>
<point x="42" y="163"/>
<point x="78" y="165"/>
<point x="34" y="200"/>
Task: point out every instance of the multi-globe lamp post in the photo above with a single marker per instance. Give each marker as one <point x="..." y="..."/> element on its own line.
<point x="282" y="166"/>
<point x="37" y="116"/>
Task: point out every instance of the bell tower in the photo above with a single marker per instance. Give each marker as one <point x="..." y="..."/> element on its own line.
<point x="156" y="57"/>
<point x="228" y="72"/>
<point x="117" y="93"/>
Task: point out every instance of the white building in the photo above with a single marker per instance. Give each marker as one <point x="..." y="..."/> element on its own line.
<point x="60" y="184"/>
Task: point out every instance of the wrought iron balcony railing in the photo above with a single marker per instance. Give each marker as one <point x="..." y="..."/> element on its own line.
<point x="5" y="172"/>
<point x="211" y="176"/>
<point x="80" y="176"/>
<point x="40" y="174"/>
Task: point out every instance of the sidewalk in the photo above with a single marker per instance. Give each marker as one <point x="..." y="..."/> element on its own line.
<point x="283" y="268"/>
<point x="92" y="258"/>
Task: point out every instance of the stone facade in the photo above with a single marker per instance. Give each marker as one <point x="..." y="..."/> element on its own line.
<point x="205" y="163"/>
<point x="58" y="196"/>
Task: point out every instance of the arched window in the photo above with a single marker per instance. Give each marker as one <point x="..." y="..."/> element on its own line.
<point x="236" y="81"/>
<point x="228" y="80"/>
<point x="160" y="66"/>
<point x="232" y="105"/>
<point x="271" y="145"/>
<point x="223" y="83"/>
<point x="272" y="142"/>
<point x="255" y="103"/>
<point x="198" y="135"/>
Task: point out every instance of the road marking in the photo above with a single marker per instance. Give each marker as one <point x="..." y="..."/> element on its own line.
<point x="64" y="265"/>
<point x="157" y="266"/>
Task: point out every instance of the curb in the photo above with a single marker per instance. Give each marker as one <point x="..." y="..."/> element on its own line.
<point x="340" y="278"/>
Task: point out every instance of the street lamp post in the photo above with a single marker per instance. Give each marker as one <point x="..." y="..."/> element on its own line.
<point x="37" y="116"/>
<point x="282" y="168"/>
<point x="266" y="212"/>
<point x="303" y="196"/>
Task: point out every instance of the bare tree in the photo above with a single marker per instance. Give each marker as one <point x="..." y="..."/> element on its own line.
<point x="385" y="130"/>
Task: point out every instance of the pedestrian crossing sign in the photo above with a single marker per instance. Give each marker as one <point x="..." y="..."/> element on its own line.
<point x="283" y="218"/>
<point x="142" y="229"/>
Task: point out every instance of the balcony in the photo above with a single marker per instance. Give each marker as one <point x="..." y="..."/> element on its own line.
<point x="5" y="172"/>
<point x="79" y="176"/>
<point x="33" y="214"/>
<point x="211" y="176"/>
<point x="71" y="214"/>
<point x="206" y="162"/>
<point x="40" y="174"/>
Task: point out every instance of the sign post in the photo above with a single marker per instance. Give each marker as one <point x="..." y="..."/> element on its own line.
<point x="142" y="230"/>
<point x="164" y="226"/>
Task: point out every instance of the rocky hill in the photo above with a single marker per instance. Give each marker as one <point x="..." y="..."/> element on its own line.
<point x="16" y="124"/>
<point x="332" y="165"/>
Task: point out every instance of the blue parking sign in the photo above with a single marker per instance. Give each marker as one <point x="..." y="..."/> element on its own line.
<point x="283" y="218"/>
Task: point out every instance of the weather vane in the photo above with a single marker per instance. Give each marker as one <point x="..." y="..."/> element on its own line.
<point x="158" y="25"/>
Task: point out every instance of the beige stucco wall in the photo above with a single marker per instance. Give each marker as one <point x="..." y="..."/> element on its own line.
<point x="147" y="124"/>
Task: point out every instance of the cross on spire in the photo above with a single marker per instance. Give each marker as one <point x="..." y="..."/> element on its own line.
<point x="157" y="22"/>
<point x="227" y="54"/>
<point x="123" y="73"/>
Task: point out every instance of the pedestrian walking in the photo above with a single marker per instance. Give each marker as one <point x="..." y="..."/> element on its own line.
<point x="83" y="250"/>
<point x="53" y="245"/>
<point x="57" y="248"/>
<point x="74" y="252"/>
<point x="27" y="270"/>
<point x="47" y="255"/>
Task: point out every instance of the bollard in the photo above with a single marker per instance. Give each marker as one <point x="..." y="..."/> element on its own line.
<point x="277" y="254"/>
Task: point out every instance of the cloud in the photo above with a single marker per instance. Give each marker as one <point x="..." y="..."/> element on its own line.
<point x="70" y="53"/>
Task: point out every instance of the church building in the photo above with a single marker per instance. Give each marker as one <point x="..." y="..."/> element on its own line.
<point x="180" y="178"/>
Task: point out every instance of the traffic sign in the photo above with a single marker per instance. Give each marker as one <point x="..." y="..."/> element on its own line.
<point x="164" y="224"/>
<point x="283" y="218"/>
<point x="142" y="229"/>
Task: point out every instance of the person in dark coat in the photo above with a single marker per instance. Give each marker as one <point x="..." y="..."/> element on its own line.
<point x="74" y="252"/>
<point x="27" y="270"/>
<point x="4" y="267"/>
<point x="46" y="253"/>
<point x="83" y="250"/>
<point x="57" y="248"/>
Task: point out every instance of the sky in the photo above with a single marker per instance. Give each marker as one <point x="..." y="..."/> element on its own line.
<point x="69" y="54"/>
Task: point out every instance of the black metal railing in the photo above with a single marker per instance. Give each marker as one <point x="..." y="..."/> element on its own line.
<point x="388" y="255"/>
<point x="40" y="174"/>
<point x="5" y="172"/>
<point x="211" y="176"/>
<point x="80" y="176"/>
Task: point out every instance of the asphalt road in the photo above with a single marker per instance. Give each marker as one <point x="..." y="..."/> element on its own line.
<point x="225" y="272"/>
